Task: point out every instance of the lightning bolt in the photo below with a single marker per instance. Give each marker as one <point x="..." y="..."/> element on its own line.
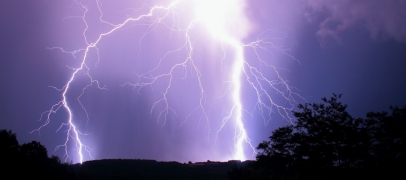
<point x="217" y="18"/>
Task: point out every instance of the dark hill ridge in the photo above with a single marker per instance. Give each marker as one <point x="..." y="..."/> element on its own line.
<point x="151" y="169"/>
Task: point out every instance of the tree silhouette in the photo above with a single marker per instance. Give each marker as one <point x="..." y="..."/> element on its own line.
<point x="29" y="160"/>
<point x="387" y="137"/>
<point x="34" y="151"/>
<point x="326" y="142"/>
<point x="325" y="134"/>
<point x="9" y="145"/>
<point x="35" y="159"/>
<point x="9" y="152"/>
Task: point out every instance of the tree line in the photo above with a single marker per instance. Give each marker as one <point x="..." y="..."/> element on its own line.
<point x="326" y="142"/>
<point x="29" y="160"/>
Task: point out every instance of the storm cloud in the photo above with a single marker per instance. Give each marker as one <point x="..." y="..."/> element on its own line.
<point x="382" y="19"/>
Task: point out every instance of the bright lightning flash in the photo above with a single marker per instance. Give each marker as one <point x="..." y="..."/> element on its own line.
<point x="226" y="23"/>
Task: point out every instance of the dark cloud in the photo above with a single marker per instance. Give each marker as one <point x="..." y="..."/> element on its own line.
<point x="382" y="19"/>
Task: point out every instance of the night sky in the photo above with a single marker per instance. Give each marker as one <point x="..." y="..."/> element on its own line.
<point x="352" y="47"/>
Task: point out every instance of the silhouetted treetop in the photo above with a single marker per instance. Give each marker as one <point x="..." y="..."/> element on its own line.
<point x="29" y="160"/>
<point x="8" y="141"/>
<point x="326" y="142"/>
<point x="34" y="150"/>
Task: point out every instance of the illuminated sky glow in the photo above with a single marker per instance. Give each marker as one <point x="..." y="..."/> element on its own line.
<point x="224" y="21"/>
<point x="188" y="80"/>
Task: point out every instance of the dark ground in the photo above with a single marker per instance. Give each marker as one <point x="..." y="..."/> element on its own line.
<point x="151" y="169"/>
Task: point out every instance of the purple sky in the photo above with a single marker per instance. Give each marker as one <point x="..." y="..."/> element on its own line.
<point x="356" y="48"/>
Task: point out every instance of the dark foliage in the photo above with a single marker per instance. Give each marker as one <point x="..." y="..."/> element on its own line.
<point x="327" y="143"/>
<point x="29" y="160"/>
<point x="9" y="150"/>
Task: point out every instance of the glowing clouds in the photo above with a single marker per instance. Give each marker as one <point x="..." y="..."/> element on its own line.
<point x="225" y="18"/>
